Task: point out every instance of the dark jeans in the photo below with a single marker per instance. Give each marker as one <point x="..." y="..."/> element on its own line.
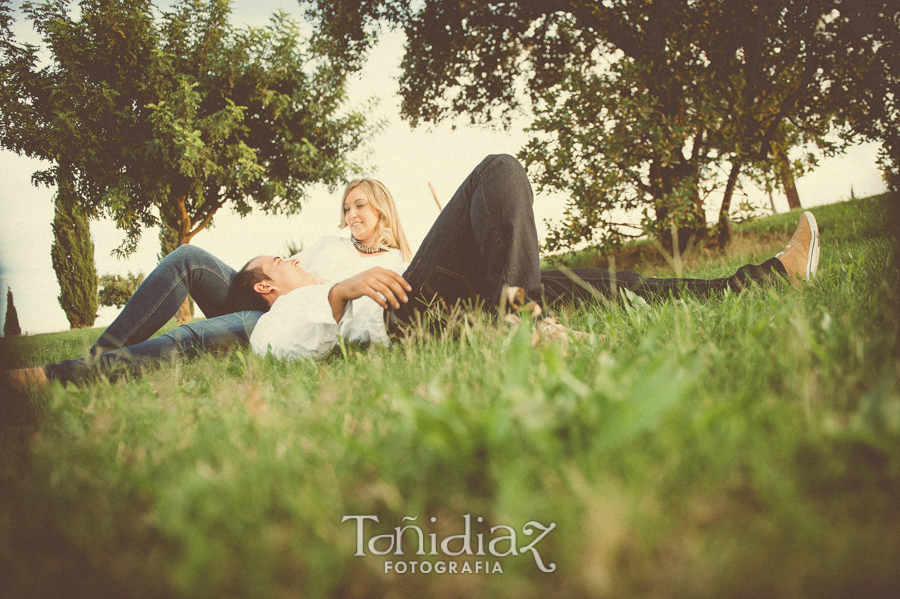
<point x="485" y="238"/>
<point x="558" y="287"/>
<point x="126" y="343"/>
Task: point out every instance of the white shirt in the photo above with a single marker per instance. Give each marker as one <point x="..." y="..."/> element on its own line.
<point x="300" y="324"/>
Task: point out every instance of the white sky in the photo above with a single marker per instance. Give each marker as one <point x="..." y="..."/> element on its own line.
<point x="405" y="160"/>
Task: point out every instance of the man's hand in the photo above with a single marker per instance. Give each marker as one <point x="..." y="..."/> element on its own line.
<point x="378" y="283"/>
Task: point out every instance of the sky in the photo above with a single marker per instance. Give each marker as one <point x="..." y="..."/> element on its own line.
<point x="404" y="159"/>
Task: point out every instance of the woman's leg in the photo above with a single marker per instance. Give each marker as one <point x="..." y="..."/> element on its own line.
<point x="187" y="270"/>
<point x="557" y="286"/>
<point x="799" y="259"/>
<point x="218" y="333"/>
<point x="484" y="238"/>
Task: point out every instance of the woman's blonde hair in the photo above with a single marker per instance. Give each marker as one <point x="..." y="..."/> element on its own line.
<point x="388" y="232"/>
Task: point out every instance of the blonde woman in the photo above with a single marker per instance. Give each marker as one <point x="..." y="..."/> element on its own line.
<point x="368" y="202"/>
<point x="483" y="244"/>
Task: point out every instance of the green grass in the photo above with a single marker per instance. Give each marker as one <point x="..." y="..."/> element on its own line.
<point x="744" y="446"/>
<point x="46" y="348"/>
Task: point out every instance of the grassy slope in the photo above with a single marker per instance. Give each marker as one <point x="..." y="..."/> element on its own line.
<point x="747" y="446"/>
<point x="46" y="348"/>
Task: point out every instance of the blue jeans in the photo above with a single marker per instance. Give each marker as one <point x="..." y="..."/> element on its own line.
<point x="486" y="238"/>
<point x="126" y="344"/>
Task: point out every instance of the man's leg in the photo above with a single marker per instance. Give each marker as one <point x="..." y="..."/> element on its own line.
<point x="222" y="332"/>
<point x="187" y="270"/>
<point x="484" y="238"/>
<point x="124" y="345"/>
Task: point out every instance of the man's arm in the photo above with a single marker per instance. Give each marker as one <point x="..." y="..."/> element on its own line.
<point x="378" y="283"/>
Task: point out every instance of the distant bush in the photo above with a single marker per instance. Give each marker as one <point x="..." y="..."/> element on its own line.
<point x="116" y="290"/>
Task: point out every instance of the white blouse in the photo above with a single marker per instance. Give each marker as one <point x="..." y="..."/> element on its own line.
<point x="300" y="324"/>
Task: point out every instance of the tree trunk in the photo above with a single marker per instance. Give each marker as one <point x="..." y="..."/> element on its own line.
<point x="169" y="239"/>
<point x="787" y="181"/>
<point x="185" y="313"/>
<point x="178" y="233"/>
<point x="724" y="233"/>
<point x="666" y="181"/>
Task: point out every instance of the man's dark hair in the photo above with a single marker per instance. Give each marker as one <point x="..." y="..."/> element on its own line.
<point x="242" y="296"/>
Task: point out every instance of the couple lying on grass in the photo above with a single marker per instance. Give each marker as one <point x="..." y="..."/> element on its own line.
<point x="483" y="247"/>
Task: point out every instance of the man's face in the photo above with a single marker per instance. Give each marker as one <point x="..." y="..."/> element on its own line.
<point x="285" y="275"/>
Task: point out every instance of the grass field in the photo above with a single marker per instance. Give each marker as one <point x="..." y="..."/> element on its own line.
<point x="742" y="446"/>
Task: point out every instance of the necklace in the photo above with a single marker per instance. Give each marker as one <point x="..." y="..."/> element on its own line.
<point x="365" y="250"/>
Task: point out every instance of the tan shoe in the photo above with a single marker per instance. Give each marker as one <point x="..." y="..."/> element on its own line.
<point x="800" y="256"/>
<point x="24" y="380"/>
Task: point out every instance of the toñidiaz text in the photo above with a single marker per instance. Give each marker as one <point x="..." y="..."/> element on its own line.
<point x="503" y="541"/>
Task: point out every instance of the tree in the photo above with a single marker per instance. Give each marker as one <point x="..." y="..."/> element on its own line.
<point x="636" y="103"/>
<point x="168" y="241"/>
<point x="73" y="251"/>
<point x="116" y="290"/>
<point x="788" y="183"/>
<point x="615" y="147"/>
<point x="11" y="326"/>
<point x="873" y="98"/>
<point x="17" y="123"/>
<point x="166" y="121"/>
<point x="779" y="172"/>
<point x="72" y="255"/>
<point x="800" y="64"/>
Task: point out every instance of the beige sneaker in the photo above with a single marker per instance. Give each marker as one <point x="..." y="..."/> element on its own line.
<point x="24" y="380"/>
<point x="800" y="256"/>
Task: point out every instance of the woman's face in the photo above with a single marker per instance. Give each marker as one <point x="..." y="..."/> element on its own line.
<point x="360" y="216"/>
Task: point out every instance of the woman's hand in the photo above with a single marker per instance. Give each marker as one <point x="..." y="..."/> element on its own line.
<point x="382" y="285"/>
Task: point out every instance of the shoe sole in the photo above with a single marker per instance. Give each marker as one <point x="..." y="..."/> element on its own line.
<point x="812" y="263"/>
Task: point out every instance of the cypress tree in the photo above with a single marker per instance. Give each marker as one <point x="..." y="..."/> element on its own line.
<point x="72" y="254"/>
<point x="11" y="326"/>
